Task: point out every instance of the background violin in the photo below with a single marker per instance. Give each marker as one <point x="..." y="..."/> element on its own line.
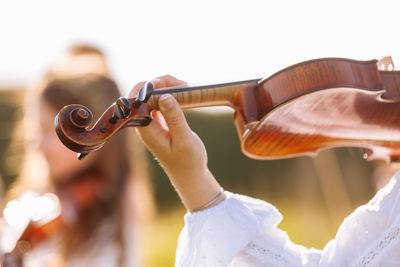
<point x="50" y="221"/>
<point x="300" y="110"/>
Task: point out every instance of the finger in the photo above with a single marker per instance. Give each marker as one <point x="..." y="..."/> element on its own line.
<point x="167" y="81"/>
<point x="160" y="119"/>
<point x="160" y="82"/>
<point x="171" y="111"/>
<point x="155" y="135"/>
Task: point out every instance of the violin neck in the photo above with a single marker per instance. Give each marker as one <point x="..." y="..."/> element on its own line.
<point x="223" y="94"/>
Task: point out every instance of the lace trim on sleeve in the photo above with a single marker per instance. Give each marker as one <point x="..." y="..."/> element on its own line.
<point x="272" y="256"/>
<point x="385" y="243"/>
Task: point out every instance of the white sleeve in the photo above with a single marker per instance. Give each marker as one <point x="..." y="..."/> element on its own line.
<point x="370" y="236"/>
<point x="213" y="237"/>
<point x="242" y="231"/>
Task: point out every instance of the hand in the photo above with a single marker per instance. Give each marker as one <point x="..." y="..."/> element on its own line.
<point x="179" y="151"/>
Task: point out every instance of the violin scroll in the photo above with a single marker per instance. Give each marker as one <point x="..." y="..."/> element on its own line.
<point x="81" y="116"/>
<point x="76" y="130"/>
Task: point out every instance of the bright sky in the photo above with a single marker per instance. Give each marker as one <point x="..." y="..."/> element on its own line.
<point x="198" y="41"/>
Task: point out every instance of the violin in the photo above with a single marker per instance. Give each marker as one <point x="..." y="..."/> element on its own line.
<point x="300" y="110"/>
<point x="51" y="222"/>
<point x="33" y="235"/>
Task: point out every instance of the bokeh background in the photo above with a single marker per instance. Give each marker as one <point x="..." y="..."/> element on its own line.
<point x="200" y="42"/>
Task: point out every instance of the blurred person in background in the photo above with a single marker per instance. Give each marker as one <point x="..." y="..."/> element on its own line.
<point x="226" y="229"/>
<point x="97" y="206"/>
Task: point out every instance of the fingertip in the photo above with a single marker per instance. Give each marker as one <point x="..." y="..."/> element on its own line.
<point x="168" y="81"/>
<point x="182" y="82"/>
<point x="166" y="102"/>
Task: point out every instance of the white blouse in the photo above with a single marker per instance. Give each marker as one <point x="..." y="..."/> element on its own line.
<point x="242" y="231"/>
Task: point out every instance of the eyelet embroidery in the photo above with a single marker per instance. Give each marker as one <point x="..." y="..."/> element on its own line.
<point x="272" y="255"/>
<point x="388" y="239"/>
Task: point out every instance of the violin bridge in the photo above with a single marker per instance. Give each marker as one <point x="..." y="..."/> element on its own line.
<point x="385" y="63"/>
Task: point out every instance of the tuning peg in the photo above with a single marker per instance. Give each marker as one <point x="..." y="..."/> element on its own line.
<point x="146" y="91"/>
<point x="122" y="109"/>
<point x="80" y="156"/>
<point x="144" y="94"/>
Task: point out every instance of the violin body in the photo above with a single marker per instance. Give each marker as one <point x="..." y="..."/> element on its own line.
<point x="300" y="110"/>
<point x="322" y="104"/>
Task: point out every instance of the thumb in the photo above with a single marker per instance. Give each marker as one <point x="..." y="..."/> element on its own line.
<point x="173" y="115"/>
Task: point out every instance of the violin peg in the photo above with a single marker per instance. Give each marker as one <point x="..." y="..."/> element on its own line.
<point x="122" y="109"/>
<point x="145" y="92"/>
<point x="81" y="156"/>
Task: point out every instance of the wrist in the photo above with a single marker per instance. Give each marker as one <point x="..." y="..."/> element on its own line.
<point x="215" y="201"/>
<point x="197" y="189"/>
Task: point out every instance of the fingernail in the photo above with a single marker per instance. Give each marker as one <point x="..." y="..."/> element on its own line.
<point x="166" y="101"/>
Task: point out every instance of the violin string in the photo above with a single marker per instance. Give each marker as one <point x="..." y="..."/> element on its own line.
<point x="200" y="87"/>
